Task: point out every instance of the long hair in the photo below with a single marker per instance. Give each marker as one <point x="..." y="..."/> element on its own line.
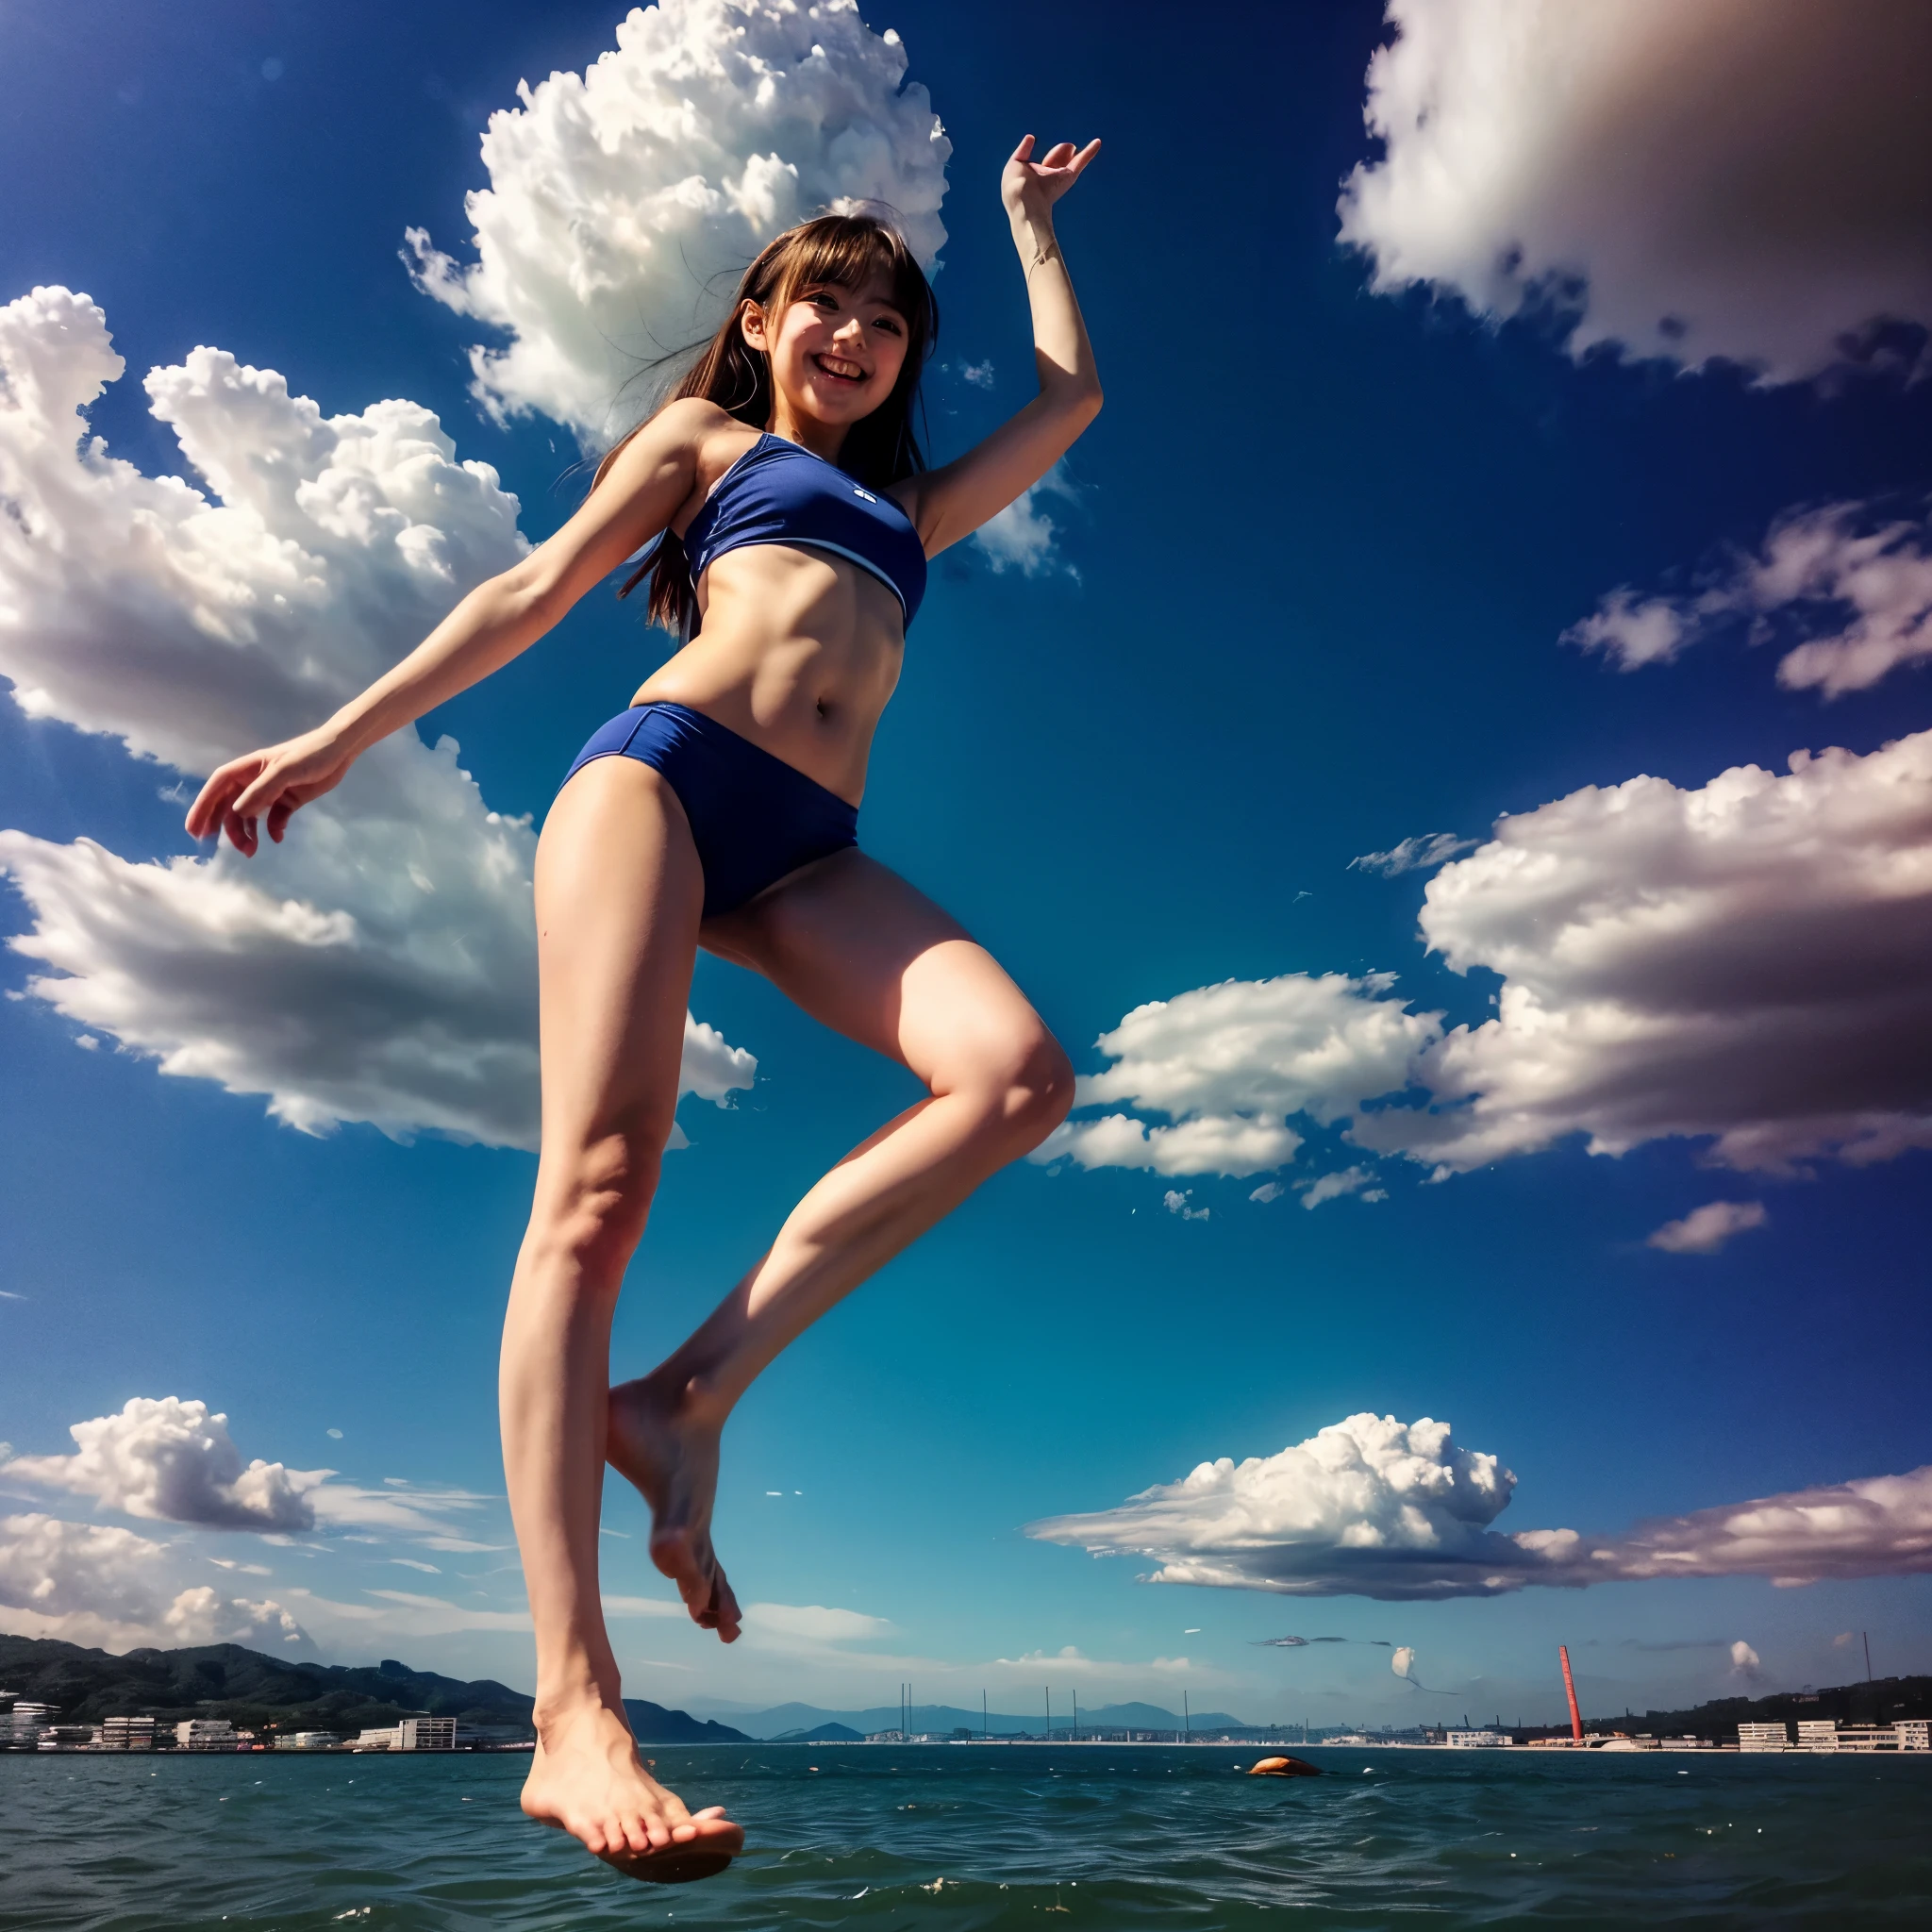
<point x="880" y="448"/>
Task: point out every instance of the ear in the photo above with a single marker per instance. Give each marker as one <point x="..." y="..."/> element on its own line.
<point x="751" y="325"/>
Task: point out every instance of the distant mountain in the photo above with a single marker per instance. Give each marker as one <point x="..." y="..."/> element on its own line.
<point x="805" y="1723"/>
<point x="822" y="1734"/>
<point x="251" y="1689"/>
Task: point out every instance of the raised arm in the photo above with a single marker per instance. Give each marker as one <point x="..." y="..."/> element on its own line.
<point x="948" y="504"/>
<point x="651" y="476"/>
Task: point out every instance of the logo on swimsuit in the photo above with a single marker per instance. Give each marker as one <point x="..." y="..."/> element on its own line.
<point x="866" y="494"/>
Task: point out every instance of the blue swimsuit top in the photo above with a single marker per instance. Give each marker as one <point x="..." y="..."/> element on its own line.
<point x="779" y="493"/>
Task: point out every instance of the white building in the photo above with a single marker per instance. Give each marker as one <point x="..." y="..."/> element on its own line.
<point x="426" y="1734"/>
<point x="308" y="1740"/>
<point x="1914" y="1733"/>
<point x="1818" y="1734"/>
<point x="125" y="1734"/>
<point x="1763" y="1738"/>
<point x="22" y="1725"/>
<point x="390" y="1739"/>
<point x="205" y="1734"/>
<point x="1475" y="1740"/>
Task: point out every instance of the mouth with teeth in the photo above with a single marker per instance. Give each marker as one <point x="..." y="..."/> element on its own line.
<point x="838" y="368"/>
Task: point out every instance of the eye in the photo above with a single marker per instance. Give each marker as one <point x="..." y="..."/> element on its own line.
<point x="890" y="324"/>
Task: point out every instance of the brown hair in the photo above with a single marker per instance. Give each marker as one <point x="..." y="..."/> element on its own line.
<point x="881" y="448"/>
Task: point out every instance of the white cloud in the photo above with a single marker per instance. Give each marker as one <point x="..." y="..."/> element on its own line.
<point x="1332" y="1187"/>
<point x="1021" y="537"/>
<point x="1227" y="1064"/>
<point x="166" y="1460"/>
<point x="813" y="1623"/>
<point x="1853" y="582"/>
<point x="1747" y="179"/>
<point x="1370" y="1506"/>
<point x="378" y="966"/>
<point x="1739" y="963"/>
<point x="88" y="1584"/>
<point x="1420" y="853"/>
<point x="171" y="1462"/>
<point x="1402" y="1660"/>
<point x="1742" y="962"/>
<point x="979" y="373"/>
<point x="1176" y="1202"/>
<point x="1706" y="1229"/>
<point x="1209" y="1145"/>
<point x="623" y="202"/>
<point x="1267" y="1191"/>
<point x="1744" y="1661"/>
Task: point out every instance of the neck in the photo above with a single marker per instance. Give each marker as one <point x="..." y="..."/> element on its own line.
<point x="822" y="439"/>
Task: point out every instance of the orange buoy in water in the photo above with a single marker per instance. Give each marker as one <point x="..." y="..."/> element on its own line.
<point x="1284" y="1767"/>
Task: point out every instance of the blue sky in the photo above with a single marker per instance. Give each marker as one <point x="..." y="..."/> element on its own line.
<point x="1303" y="598"/>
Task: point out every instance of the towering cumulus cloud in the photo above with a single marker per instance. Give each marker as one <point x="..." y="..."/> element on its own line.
<point x="1372" y="1506"/>
<point x="378" y="966"/>
<point x="1746" y="179"/>
<point x="623" y="202"/>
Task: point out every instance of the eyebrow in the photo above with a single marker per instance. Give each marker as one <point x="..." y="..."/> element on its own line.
<point x="845" y="288"/>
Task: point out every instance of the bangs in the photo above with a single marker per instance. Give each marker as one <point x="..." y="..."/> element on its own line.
<point x="849" y="251"/>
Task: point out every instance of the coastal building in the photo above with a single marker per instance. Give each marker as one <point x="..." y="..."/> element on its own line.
<point x="381" y="1738"/>
<point x="426" y="1734"/>
<point x="308" y="1740"/>
<point x="1763" y="1736"/>
<point x="66" y="1737"/>
<point x="1817" y="1734"/>
<point x="22" y="1724"/>
<point x="205" y="1734"/>
<point x="1914" y="1733"/>
<point x="1474" y="1741"/>
<point x="125" y="1734"/>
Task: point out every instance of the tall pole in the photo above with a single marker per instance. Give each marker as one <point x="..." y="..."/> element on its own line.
<point x="1867" y="1636"/>
<point x="982" y="1715"/>
<point x="1049" y="1713"/>
<point x="1077" y="1699"/>
<point x="1187" y="1716"/>
<point x="1570" y="1692"/>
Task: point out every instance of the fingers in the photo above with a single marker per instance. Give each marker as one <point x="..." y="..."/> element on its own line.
<point x="1024" y="149"/>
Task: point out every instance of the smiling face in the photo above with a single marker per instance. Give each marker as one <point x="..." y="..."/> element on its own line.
<point x="835" y="353"/>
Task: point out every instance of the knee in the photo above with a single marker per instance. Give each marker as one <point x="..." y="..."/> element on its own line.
<point x="1024" y="1084"/>
<point x="593" y="1198"/>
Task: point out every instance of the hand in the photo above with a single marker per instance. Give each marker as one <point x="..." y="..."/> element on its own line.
<point x="1030" y="187"/>
<point x="271" y="784"/>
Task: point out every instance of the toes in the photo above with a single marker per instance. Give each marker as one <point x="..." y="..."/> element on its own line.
<point x="724" y="1608"/>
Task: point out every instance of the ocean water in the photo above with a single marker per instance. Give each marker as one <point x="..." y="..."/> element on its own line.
<point x="941" y="1837"/>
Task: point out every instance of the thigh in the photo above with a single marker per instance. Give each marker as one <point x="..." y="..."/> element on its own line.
<point x="869" y="954"/>
<point x="619" y="891"/>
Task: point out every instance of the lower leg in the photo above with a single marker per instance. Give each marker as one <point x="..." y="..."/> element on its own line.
<point x="664" y="1427"/>
<point x="617" y="906"/>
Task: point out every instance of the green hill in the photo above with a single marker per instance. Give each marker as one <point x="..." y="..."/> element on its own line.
<point x="274" y="1693"/>
<point x="1875" y="1703"/>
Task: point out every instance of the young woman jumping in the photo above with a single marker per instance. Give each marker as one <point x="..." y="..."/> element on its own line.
<point x="721" y="811"/>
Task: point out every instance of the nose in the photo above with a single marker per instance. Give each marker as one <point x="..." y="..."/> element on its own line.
<point x="852" y="330"/>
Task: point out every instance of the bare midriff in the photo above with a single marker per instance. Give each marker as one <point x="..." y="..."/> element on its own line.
<point x="799" y="652"/>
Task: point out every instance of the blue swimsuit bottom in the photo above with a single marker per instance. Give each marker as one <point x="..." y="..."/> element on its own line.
<point x="754" y="818"/>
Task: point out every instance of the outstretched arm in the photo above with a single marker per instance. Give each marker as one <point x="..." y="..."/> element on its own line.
<point x="953" y="502"/>
<point x="650" y="477"/>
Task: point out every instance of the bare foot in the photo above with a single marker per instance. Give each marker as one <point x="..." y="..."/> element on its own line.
<point x="669" y="1449"/>
<point x="586" y="1779"/>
